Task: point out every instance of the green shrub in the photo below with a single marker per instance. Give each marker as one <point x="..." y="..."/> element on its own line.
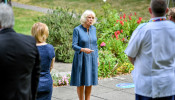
<point x="115" y="29"/>
<point x="107" y="64"/>
<point x="61" y="23"/>
<point x="125" y="68"/>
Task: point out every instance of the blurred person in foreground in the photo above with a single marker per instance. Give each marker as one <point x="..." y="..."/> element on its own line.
<point x="8" y="1"/>
<point x="171" y="14"/>
<point x="85" y="62"/>
<point x="19" y="60"/>
<point x="151" y="51"/>
<point x="47" y="54"/>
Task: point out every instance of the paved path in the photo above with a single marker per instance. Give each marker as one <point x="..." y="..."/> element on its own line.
<point x="106" y="90"/>
<point x="61" y="69"/>
<point x="30" y="7"/>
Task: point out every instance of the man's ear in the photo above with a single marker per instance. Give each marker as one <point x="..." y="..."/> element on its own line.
<point x="167" y="10"/>
<point x="150" y="10"/>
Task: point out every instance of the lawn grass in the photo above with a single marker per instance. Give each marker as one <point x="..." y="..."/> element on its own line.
<point x="24" y="19"/>
<point x="138" y="6"/>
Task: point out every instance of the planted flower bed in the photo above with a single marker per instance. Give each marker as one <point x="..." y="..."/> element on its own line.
<point x="114" y="30"/>
<point x="61" y="80"/>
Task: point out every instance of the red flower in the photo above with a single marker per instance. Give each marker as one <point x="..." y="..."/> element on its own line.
<point x="123" y="39"/>
<point x="126" y="20"/>
<point x="124" y="16"/>
<point x="135" y="13"/>
<point x="140" y="18"/>
<point x="118" y="32"/>
<point x="122" y="23"/>
<point x="130" y="18"/>
<point x="121" y="31"/>
<point x="116" y="37"/>
<point x="138" y="22"/>
<point x="115" y="33"/>
<point x="117" y="21"/>
<point x="120" y="17"/>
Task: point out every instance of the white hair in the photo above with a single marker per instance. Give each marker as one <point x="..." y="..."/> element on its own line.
<point x="83" y="18"/>
<point x="6" y="16"/>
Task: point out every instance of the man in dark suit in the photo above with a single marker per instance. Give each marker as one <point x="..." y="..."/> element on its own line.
<point x="19" y="60"/>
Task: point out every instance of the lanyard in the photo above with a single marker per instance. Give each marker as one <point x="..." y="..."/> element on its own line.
<point x="160" y="19"/>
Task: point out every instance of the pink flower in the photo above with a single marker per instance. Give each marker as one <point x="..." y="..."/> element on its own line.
<point x="103" y="44"/>
<point x="67" y="82"/>
<point x="63" y="80"/>
<point x="59" y="82"/>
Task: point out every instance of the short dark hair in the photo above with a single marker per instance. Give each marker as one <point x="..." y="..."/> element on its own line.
<point x="158" y="7"/>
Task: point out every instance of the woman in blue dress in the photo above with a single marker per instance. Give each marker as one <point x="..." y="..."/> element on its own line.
<point x="85" y="62"/>
<point x="47" y="56"/>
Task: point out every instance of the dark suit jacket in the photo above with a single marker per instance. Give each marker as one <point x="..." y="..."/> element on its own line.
<point x="19" y="66"/>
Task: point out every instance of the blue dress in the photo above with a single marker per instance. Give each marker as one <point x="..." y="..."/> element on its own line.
<point x="44" y="91"/>
<point x="85" y="66"/>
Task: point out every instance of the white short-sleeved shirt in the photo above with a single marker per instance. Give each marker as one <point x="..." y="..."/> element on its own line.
<point x="153" y="46"/>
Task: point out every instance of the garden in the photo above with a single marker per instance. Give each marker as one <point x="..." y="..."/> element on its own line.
<point x="114" y="29"/>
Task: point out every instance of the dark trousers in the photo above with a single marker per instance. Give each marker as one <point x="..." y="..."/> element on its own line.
<point x="139" y="97"/>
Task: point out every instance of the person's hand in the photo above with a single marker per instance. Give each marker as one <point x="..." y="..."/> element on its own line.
<point x="88" y="51"/>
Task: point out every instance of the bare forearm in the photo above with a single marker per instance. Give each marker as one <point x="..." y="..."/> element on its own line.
<point x="52" y="63"/>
